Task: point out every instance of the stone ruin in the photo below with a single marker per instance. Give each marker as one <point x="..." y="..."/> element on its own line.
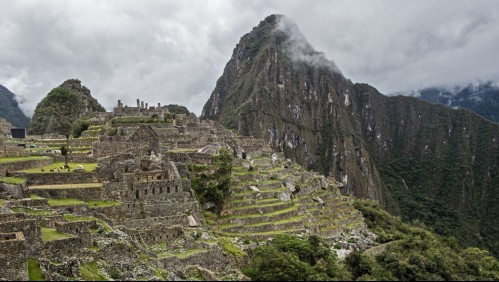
<point x="142" y="168"/>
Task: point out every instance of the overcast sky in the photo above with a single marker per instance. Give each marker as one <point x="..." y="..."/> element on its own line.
<point x="174" y="51"/>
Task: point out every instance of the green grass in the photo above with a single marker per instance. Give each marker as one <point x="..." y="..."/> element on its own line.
<point x="35" y="197"/>
<point x="70" y="217"/>
<point x="271" y="214"/>
<point x="161" y="274"/>
<point x="284" y="221"/>
<point x="33" y="212"/>
<point x="184" y="254"/>
<point x="21" y="159"/>
<point x="67" y="186"/>
<point x="65" y="202"/>
<point x="34" y="270"/>
<point x="263" y="205"/>
<point x="2" y="204"/>
<point x="13" y="180"/>
<point x="50" y="234"/>
<point x="106" y="228"/>
<point x="228" y="246"/>
<point x="91" y="272"/>
<point x="89" y="167"/>
<point x="103" y="204"/>
<point x="267" y="233"/>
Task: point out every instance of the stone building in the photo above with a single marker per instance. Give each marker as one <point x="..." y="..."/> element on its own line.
<point x="142" y="141"/>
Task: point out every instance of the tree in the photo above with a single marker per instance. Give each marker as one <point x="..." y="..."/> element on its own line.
<point x="64" y="107"/>
<point x="214" y="187"/>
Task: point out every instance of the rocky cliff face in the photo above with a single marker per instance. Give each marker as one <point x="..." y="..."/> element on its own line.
<point x="41" y="124"/>
<point x="277" y="87"/>
<point x="9" y="109"/>
<point x="424" y="161"/>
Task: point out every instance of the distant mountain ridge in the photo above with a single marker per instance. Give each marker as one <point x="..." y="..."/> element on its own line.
<point x="423" y="161"/>
<point x="479" y="97"/>
<point x="9" y="109"/>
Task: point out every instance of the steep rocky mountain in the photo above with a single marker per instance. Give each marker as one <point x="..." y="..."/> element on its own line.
<point x="42" y="124"/>
<point x="423" y="161"/>
<point x="9" y="109"/>
<point x="480" y="98"/>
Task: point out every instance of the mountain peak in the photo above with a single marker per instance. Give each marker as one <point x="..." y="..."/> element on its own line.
<point x="284" y="34"/>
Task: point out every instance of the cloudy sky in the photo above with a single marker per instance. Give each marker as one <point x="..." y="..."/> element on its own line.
<point x="174" y="51"/>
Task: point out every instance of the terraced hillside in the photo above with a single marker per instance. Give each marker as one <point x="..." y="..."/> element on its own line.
<point x="270" y="197"/>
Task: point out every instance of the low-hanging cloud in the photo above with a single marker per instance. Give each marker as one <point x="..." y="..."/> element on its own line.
<point x="174" y="51"/>
<point x="299" y="49"/>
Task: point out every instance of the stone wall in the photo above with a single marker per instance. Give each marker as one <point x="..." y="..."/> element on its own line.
<point x="81" y="229"/>
<point x="30" y="230"/>
<point x="84" y="194"/>
<point x="81" y="142"/>
<point x="190" y="157"/>
<point x="6" y="168"/>
<point x="13" y="257"/>
<point x="114" y="190"/>
<point x="27" y="202"/>
<point x="156" y="234"/>
<point x="62" y="248"/>
<point x="16" y="191"/>
<point x="213" y="259"/>
<point x="5" y="217"/>
<point x="165" y="220"/>
<point x="140" y="210"/>
<point x="52" y="220"/>
<point x="49" y="178"/>
<point x="77" y="158"/>
<point x="100" y="149"/>
<point x="155" y="189"/>
<point x="12" y="150"/>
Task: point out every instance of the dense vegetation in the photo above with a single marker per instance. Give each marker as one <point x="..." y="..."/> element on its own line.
<point x="9" y="109"/>
<point x="212" y="183"/>
<point x="44" y="123"/>
<point x="289" y="258"/>
<point x="177" y="109"/>
<point x="482" y="99"/>
<point x="405" y="253"/>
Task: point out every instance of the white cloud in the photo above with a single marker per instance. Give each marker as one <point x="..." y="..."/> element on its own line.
<point x="174" y="51"/>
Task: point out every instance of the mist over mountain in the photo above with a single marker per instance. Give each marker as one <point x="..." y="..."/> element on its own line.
<point x="9" y="109"/>
<point x="424" y="161"/>
<point x="479" y="97"/>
